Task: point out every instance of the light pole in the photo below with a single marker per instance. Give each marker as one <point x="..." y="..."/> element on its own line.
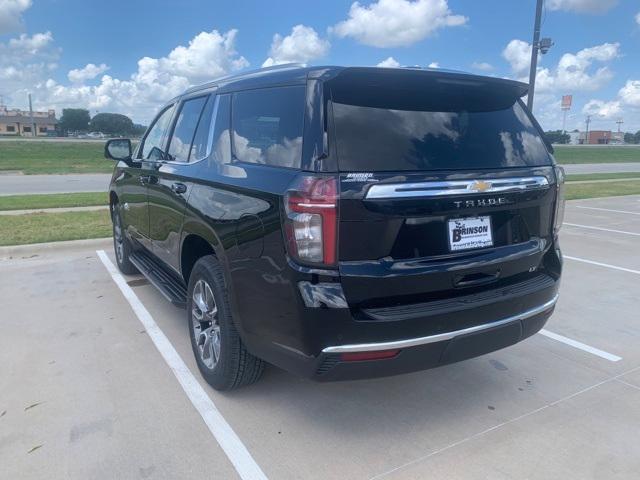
<point x="538" y="44"/>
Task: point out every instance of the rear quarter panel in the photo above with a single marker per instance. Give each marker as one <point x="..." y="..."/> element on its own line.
<point x="236" y="208"/>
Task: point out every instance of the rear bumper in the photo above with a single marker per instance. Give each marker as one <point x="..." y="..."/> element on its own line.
<point x="432" y="351"/>
<point x="445" y="336"/>
<point x="314" y="346"/>
<point x="316" y="336"/>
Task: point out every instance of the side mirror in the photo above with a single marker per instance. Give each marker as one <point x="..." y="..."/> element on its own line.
<point x="118" y="149"/>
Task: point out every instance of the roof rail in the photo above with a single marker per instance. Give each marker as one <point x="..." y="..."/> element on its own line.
<point x="278" y="67"/>
<point x="282" y="66"/>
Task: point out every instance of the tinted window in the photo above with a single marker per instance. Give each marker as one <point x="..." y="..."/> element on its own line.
<point x="201" y="146"/>
<point x="386" y="139"/>
<point x="221" y="130"/>
<point x="185" y="129"/>
<point x="153" y="142"/>
<point x="267" y="126"/>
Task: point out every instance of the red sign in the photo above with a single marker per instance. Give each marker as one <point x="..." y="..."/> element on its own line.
<point x="566" y="102"/>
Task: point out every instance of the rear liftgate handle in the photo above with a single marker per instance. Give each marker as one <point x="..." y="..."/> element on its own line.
<point x="474" y="279"/>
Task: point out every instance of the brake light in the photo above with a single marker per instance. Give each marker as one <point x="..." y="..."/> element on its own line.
<point x="559" y="213"/>
<point x="311" y="223"/>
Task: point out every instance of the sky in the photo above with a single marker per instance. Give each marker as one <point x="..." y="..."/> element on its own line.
<point x="132" y="56"/>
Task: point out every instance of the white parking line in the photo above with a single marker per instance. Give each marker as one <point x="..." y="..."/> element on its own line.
<point x="233" y="447"/>
<point x="574" y="343"/>
<point x="602" y="229"/>
<point x="599" y="264"/>
<point x="608" y="210"/>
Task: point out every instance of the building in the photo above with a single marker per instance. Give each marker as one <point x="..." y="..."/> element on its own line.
<point x="600" y="137"/>
<point x="596" y="137"/>
<point x="19" y="122"/>
<point x="576" y="138"/>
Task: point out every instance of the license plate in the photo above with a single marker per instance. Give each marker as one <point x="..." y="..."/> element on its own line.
<point x="469" y="233"/>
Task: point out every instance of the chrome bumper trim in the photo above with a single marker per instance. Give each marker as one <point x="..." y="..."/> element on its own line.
<point x="441" y="337"/>
<point x="455" y="187"/>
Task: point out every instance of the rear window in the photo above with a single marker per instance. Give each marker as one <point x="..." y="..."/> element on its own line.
<point x="268" y="125"/>
<point x="373" y="138"/>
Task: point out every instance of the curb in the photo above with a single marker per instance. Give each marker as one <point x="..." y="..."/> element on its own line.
<point x="34" y="248"/>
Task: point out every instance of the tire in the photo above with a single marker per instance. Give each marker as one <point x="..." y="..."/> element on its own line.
<point x="222" y="358"/>
<point x="121" y="244"/>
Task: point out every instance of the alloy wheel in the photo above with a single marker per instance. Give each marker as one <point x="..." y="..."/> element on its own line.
<point x="206" y="326"/>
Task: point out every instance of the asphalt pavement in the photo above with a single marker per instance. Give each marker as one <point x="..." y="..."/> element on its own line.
<point x="27" y="184"/>
<point x="581" y="168"/>
<point x="88" y="391"/>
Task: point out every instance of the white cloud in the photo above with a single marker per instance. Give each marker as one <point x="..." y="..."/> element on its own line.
<point x="30" y="45"/>
<point x="582" y="6"/>
<point x="484" y="66"/>
<point x="389" y="62"/>
<point x="573" y="71"/>
<point x="302" y="45"/>
<point x="11" y="14"/>
<point x="26" y="60"/>
<point x="518" y="54"/>
<point x="89" y="72"/>
<point x="208" y="55"/>
<point x="26" y="64"/>
<point x="638" y="18"/>
<point x="608" y="110"/>
<point x="630" y="93"/>
<point x="396" y="23"/>
<point x="434" y="65"/>
<point x="626" y="105"/>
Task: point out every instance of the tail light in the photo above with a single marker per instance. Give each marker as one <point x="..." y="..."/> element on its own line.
<point x="559" y="214"/>
<point x="311" y="224"/>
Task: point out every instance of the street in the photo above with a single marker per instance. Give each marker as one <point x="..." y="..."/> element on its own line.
<point x="28" y="184"/>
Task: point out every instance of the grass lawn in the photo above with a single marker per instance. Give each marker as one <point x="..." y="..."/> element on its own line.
<point x="595" y="154"/>
<point x="606" y="189"/>
<point x="33" y="156"/>
<point x="54" y="200"/>
<point x="53" y="227"/>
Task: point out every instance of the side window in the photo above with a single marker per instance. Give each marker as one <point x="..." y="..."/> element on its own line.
<point x="220" y="132"/>
<point x="201" y="145"/>
<point x="185" y="128"/>
<point x="268" y="124"/>
<point x="152" y="146"/>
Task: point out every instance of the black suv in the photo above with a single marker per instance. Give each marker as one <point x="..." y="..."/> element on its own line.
<point x="343" y="222"/>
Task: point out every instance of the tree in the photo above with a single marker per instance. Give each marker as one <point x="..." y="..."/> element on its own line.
<point x="112" y="124"/>
<point x="556" y="136"/>
<point x="630" y="138"/>
<point x="74" y="119"/>
<point x="138" y="130"/>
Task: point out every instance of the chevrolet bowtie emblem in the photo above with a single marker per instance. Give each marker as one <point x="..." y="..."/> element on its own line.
<point x="480" y="186"/>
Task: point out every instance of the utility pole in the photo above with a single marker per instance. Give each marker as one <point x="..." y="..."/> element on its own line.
<point x="542" y="45"/>
<point x="587" y="121"/>
<point x="33" y="123"/>
<point x="619" y="122"/>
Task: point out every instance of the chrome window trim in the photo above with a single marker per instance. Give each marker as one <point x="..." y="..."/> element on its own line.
<point x="456" y="187"/>
<point x="441" y="337"/>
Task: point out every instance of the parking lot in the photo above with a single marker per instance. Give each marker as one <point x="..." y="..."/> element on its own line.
<point x="91" y="388"/>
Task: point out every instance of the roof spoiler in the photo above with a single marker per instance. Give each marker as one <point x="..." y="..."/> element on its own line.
<point x="413" y="89"/>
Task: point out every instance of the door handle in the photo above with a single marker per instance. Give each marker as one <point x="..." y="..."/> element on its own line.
<point x="178" y="187"/>
<point x="144" y="179"/>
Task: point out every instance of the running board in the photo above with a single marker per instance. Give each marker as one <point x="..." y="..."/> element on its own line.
<point x="170" y="287"/>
